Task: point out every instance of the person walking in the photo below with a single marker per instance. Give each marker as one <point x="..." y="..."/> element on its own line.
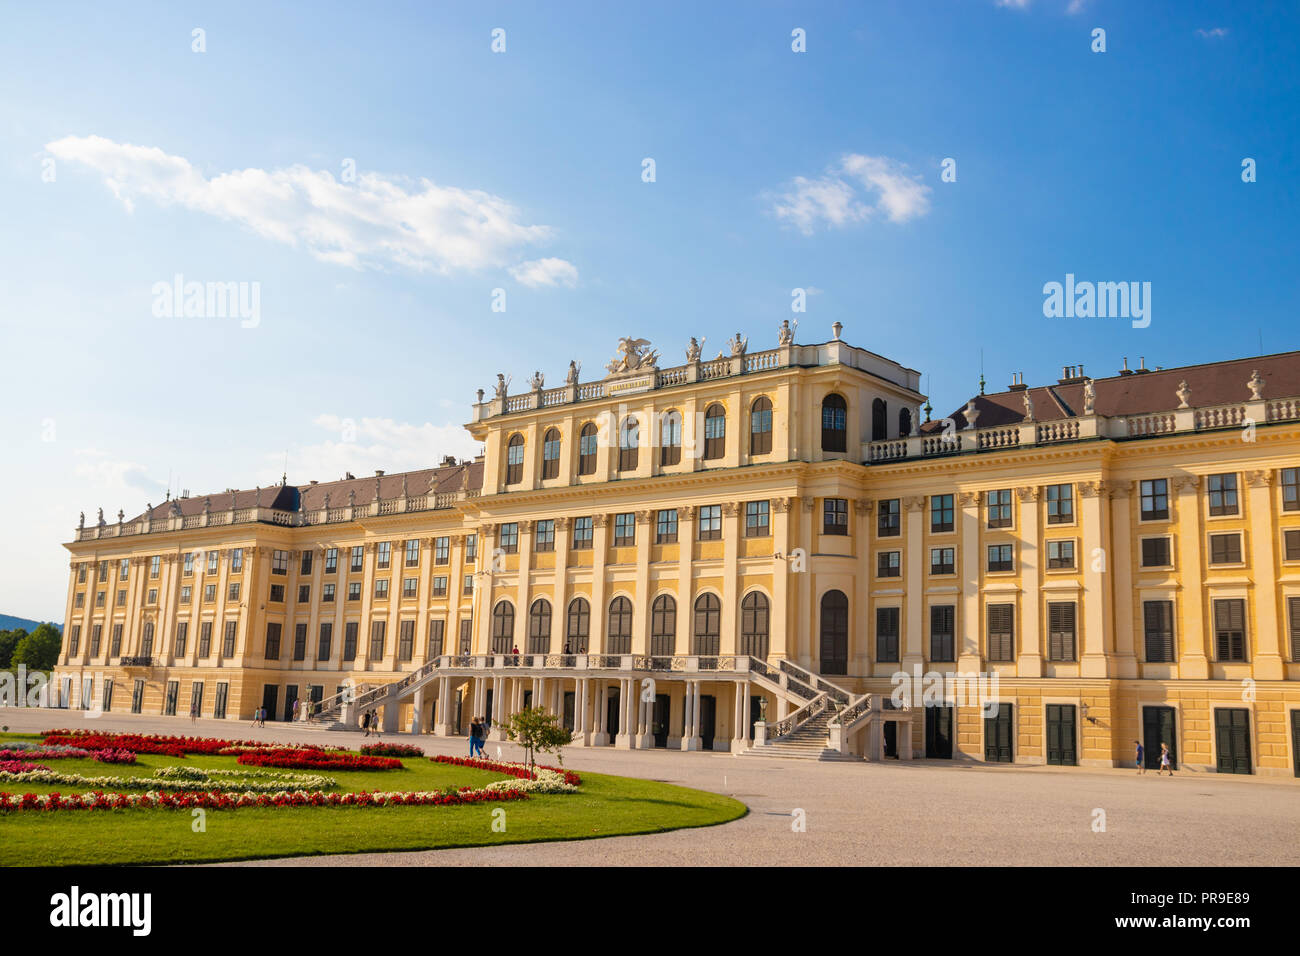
<point x="194" y="712"/>
<point x="1142" y="767"/>
<point x="365" y="724"/>
<point x="475" y="728"/>
<point x="1165" y="762"/>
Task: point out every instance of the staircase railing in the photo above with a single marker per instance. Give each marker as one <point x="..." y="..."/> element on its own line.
<point x="792" y="722"/>
<point x="835" y="691"/>
<point x="852" y="715"/>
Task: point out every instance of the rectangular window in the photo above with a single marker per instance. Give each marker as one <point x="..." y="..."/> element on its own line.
<point x="205" y="640"/>
<point x="888" y="519"/>
<point x="354" y="590"/>
<point x="1158" y="631"/>
<point x="405" y="640"/>
<point x="228" y="639"/>
<point x="327" y="594"/>
<point x="304" y="593"/>
<point x="1223" y="494"/>
<point x="279" y="562"/>
<point x="508" y="538"/>
<point x="757" y="519"/>
<point x="1293" y="621"/>
<point x="103" y="572"/>
<point x="96" y="635"/>
<point x="236" y="561"/>
<point x="81" y="570"/>
<point x="1000" y="557"/>
<point x="1001" y="632"/>
<point x="304" y="564"/>
<point x="940" y="513"/>
<point x="624" y="530"/>
<point x="186" y="593"/>
<point x="74" y="640"/>
<point x="1290" y="482"/>
<point x="1291" y="545"/>
<point x="889" y="564"/>
<point x="384" y="554"/>
<point x="442" y="550"/>
<point x="412" y="559"/>
<point x="213" y="557"/>
<point x="410" y="587"/>
<point x="943" y="560"/>
<point x="1225" y="549"/>
<point x="182" y="637"/>
<point x="232" y="592"/>
<point x="1230" y="630"/>
<point x="123" y="568"/>
<point x="440" y="586"/>
<point x="277" y="593"/>
<point x="331" y="560"/>
<point x="81" y="600"/>
<point x="1155" y="553"/>
<point x="323" y="644"/>
<point x="887" y="634"/>
<point x="1060" y="504"/>
<point x="377" y="635"/>
<point x="466" y="635"/>
<point x="1060" y="554"/>
<point x="121" y="596"/>
<point x="100" y="598"/>
<point x="942" y="632"/>
<point x="155" y="566"/>
<point x="436" y="631"/>
<point x="358" y="557"/>
<point x="666" y="526"/>
<point x="223" y="695"/>
<point x="710" y="520"/>
<point x="350" y="640"/>
<point x="467" y="586"/>
<point x="381" y="587"/>
<point x="1155" y="499"/>
<point x="835" y="516"/>
<point x="273" y="641"/>
<point x="187" y="565"/>
<point x="544" y="535"/>
<point x="169" y="702"/>
<point x="300" y="642"/>
<point x="152" y="597"/>
<point x="471" y="547"/>
<point x="581" y="533"/>
<point x="998" y="505"/>
<point x="209" y="593"/>
<point x="1061" y="631"/>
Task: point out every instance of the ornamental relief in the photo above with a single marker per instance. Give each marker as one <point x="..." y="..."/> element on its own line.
<point x="968" y="499"/>
<point x="1259" y="479"/>
<point x="1027" y="493"/>
<point x="914" y="502"/>
<point x="782" y="505"/>
<point x="1187" y="484"/>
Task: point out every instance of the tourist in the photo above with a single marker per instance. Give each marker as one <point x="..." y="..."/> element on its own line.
<point x="475" y="729"/>
<point x="194" y="712"/>
<point x="365" y="724"/>
<point x="1142" y="768"/>
<point x="1165" y="763"/>
<point x="566" y="648"/>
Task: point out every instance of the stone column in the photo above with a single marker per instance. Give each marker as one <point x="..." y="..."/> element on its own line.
<point x="1263" y="537"/>
<point x="685" y="581"/>
<point x="1121" y="516"/>
<point x="417" y="712"/>
<point x="691" y="733"/>
<point x="802" y="652"/>
<point x="1029" y="663"/>
<point x="914" y="583"/>
<point x="1193" y="663"/>
<point x="969" y="625"/>
<point x="600" y="736"/>
<point x="731" y="532"/>
<point x="443" y="723"/>
<point x="1097" y="556"/>
<point x="781" y="638"/>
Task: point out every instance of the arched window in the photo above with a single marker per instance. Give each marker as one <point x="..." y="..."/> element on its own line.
<point x="551" y="454"/>
<point x="760" y="426"/>
<point x="619" y="633"/>
<point x="539" y="627"/>
<point x="629" y="437"/>
<point x="715" y="432"/>
<point x="587" y="449"/>
<point x="835" y="633"/>
<point x="879" y="426"/>
<point x="708" y="625"/>
<point x="515" y="460"/>
<point x="904" y="422"/>
<point x="578" y="627"/>
<point x="835" y="427"/>
<point x="670" y="438"/>
<point x="503" y="627"/>
<point x="663" y="627"/>
<point x="754" y="625"/>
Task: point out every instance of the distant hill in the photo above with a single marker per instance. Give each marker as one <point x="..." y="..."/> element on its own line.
<point x="8" y="622"/>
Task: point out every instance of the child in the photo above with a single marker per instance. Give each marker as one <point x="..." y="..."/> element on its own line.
<point x="1142" y="767"/>
<point x="1165" y="763"/>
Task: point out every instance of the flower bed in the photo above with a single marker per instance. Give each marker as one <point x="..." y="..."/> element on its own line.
<point x="212" y="800"/>
<point x="20" y="766"/>
<point x="167" y="746"/>
<point x="66" y="753"/>
<point x="317" y="760"/>
<point x="513" y="769"/>
<point x="177" y="778"/>
<point x="392" y="750"/>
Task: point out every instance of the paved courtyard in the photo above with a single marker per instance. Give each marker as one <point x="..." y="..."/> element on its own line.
<point x="875" y="814"/>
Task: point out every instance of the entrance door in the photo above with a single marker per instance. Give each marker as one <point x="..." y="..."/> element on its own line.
<point x="1157" y="729"/>
<point x="890" y="733"/>
<point x="659" y="720"/>
<point x="1232" y="736"/>
<point x="834" y="633"/>
<point x="708" y="720"/>
<point x="1295" y="740"/>
<point x="1060" y="735"/>
<point x="173" y="691"/>
<point x="938" y="732"/>
<point x="997" y="735"/>
<point x="196" y="698"/>
<point x="569" y="705"/>
<point x="611" y="714"/>
<point x="290" y="695"/>
<point x="755" y="712"/>
<point x="488" y="715"/>
<point x="270" y="696"/>
<point x="137" y="697"/>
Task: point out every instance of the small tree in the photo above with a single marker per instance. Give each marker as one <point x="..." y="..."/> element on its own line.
<point x="39" y="650"/>
<point x="8" y="641"/>
<point x="537" y="732"/>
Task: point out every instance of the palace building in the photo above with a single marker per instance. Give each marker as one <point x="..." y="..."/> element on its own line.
<point x="751" y="553"/>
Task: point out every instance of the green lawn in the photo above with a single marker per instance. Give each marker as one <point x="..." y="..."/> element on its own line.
<point x="606" y="806"/>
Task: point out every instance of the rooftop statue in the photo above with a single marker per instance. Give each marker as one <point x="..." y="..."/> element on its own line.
<point x="633" y="356"/>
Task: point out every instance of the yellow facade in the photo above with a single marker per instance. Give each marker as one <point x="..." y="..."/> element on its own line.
<point x="778" y="520"/>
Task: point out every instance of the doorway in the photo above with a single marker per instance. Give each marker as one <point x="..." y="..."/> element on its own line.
<point x="1232" y="736"/>
<point x="611" y="714"/>
<point x="1061" y="749"/>
<point x="659" y="720"/>
<point x="1158" y="728"/>
<point x="290" y="698"/>
<point x="997" y="735"/>
<point x="938" y="733"/>
<point x="708" y="720"/>
<point x="270" y="697"/>
<point x="569" y="709"/>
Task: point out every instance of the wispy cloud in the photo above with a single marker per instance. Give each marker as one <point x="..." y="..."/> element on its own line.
<point x="1014" y="4"/>
<point x="375" y="222"/>
<point x="103" y="473"/>
<point x="1212" y="34"/>
<point x="545" y="272"/>
<point x="363" y="445"/>
<point x="854" y="189"/>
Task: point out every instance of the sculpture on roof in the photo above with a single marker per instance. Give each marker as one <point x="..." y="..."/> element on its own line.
<point x="572" y="377"/>
<point x="101" y="516"/>
<point x="970" y="413"/>
<point x="537" y="381"/>
<point x="1029" y="407"/>
<point x="82" y="523"/>
<point x="1256" y="386"/>
<point x="1183" y="393"/>
<point x="1089" y="397"/>
<point x="738" y="345"/>
<point x="502" y="385"/>
<point x="633" y="356"/>
<point x="175" y="508"/>
<point x="785" y="334"/>
<point x="693" y="351"/>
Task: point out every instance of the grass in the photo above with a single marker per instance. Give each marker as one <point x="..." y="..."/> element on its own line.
<point x="605" y="806"/>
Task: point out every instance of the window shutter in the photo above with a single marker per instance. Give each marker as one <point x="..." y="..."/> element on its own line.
<point x="1293" y="609"/>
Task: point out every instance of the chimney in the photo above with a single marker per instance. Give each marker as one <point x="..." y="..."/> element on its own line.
<point x="448" y="461"/>
<point x="313" y="481"/>
<point x="379" y="472"/>
<point x="348" y="476"/>
<point x="1071" y="374"/>
<point x="1018" y="382"/>
<point x="1126" y="370"/>
<point x="1142" y="365"/>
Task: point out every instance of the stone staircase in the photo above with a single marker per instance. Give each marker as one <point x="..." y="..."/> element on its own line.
<point x="809" y="741"/>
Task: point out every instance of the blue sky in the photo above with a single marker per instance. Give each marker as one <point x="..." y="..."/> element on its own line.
<point x="522" y="170"/>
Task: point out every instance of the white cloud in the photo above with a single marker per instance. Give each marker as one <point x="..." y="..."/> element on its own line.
<point x="363" y="445"/>
<point x="1212" y="34"/>
<point x="374" y="222"/>
<point x="1076" y="6"/>
<point x="1016" y="4"/>
<point x="103" y="473"/>
<point x="545" y="272"/>
<point x="855" y="189"/>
